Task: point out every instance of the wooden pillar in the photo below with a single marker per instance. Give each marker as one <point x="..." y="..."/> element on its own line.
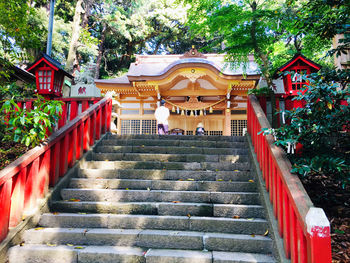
<point x="227" y="122"/>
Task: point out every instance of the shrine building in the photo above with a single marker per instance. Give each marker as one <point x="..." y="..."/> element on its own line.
<point x="196" y="87"/>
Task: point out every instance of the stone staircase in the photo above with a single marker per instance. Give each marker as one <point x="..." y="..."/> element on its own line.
<point x="155" y="199"/>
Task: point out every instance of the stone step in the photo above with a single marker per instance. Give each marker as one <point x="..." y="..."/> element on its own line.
<point x="159" y="239"/>
<point x="175" y="143"/>
<point x="213" y="186"/>
<point x="172" y="150"/>
<point x="150" y="157"/>
<point x="249" y="198"/>
<point x="109" y="254"/>
<point x="178" y="137"/>
<point x="166" y="165"/>
<point x="151" y="174"/>
<point x="164" y="208"/>
<point x="256" y="226"/>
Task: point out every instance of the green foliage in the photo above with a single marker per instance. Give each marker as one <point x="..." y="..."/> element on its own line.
<point x="320" y="127"/>
<point x="29" y="127"/>
<point x="18" y="28"/>
<point x="12" y="90"/>
<point x="264" y="91"/>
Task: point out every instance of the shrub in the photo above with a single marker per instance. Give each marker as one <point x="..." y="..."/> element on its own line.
<point x="321" y="127"/>
<point x="29" y="126"/>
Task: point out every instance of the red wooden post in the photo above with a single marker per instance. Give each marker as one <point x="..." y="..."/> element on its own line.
<point x="280" y="205"/>
<point x="31" y="190"/>
<point x="63" y="155"/>
<point x="109" y="115"/>
<point x="73" y="109"/>
<point x="93" y="128"/>
<point x="103" y="120"/>
<point x="86" y="135"/>
<point x="44" y="172"/>
<point x="293" y="236"/>
<point x="302" y="254"/>
<point x="63" y="119"/>
<point x="98" y="124"/>
<point x="29" y="105"/>
<point x="318" y="236"/>
<point x="17" y="198"/>
<point x="84" y="105"/>
<point x="286" y="224"/>
<point x="55" y="163"/>
<point x="79" y="151"/>
<point x="5" y="204"/>
<point x="72" y="147"/>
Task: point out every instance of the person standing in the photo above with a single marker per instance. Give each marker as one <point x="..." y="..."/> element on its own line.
<point x="162" y="114"/>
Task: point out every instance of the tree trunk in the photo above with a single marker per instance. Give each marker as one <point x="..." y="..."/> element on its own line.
<point x="100" y="51"/>
<point x="87" y="10"/>
<point x="264" y="67"/>
<point x="75" y="37"/>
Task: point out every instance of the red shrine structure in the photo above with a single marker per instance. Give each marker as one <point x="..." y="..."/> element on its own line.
<point x="49" y="76"/>
<point x="298" y="67"/>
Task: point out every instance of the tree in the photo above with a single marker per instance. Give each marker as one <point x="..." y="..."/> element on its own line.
<point x="134" y="27"/>
<point x="263" y="28"/>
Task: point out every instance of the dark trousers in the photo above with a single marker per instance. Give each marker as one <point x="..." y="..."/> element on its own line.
<point x="163" y="129"/>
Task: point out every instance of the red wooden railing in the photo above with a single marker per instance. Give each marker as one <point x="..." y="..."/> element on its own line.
<point x="305" y="229"/>
<point x="28" y="178"/>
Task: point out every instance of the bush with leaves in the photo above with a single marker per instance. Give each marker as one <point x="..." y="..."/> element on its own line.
<point x="29" y="126"/>
<point x="321" y="127"/>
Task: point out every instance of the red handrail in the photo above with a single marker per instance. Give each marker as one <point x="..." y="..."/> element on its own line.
<point x="304" y="228"/>
<point x="28" y="178"/>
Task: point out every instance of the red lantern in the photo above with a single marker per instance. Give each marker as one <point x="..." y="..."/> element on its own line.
<point x="49" y="76"/>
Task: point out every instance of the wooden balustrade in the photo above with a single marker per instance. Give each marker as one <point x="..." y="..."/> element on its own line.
<point x="28" y="178"/>
<point x="305" y="229"/>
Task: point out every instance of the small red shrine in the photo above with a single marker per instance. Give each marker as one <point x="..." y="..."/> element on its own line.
<point x="298" y="67"/>
<point x="49" y="76"/>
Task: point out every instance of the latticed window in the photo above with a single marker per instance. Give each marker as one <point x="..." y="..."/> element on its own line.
<point x="45" y="77"/>
<point x="130" y="127"/>
<point x="149" y="127"/>
<point x="237" y="127"/>
<point x="297" y="78"/>
<point x="215" y="133"/>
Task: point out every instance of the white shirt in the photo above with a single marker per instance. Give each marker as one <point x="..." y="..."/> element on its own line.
<point x="162" y="114"/>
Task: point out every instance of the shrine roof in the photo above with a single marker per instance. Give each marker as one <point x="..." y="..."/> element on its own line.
<point x="148" y="66"/>
<point x="158" y="65"/>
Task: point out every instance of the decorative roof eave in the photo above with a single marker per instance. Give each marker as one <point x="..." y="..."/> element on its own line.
<point x="171" y="68"/>
<point x="301" y="57"/>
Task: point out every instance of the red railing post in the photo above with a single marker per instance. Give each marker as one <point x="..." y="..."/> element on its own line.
<point x="17" y="198"/>
<point x="80" y="141"/>
<point x="55" y="163"/>
<point x="109" y="115"/>
<point x="318" y="236"/>
<point x="5" y="206"/>
<point x="73" y="109"/>
<point x="86" y="142"/>
<point x="98" y="124"/>
<point x="63" y="155"/>
<point x="72" y="147"/>
<point x="93" y="129"/>
<point x="31" y="190"/>
<point x="63" y="119"/>
<point x="44" y="173"/>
